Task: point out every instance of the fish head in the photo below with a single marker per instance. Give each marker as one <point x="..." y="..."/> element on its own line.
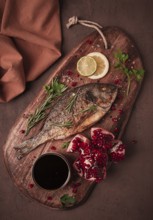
<point x="102" y="95"/>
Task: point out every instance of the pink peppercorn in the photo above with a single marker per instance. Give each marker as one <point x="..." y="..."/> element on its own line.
<point x="73" y="84"/>
<point x="31" y="185"/>
<point x="49" y="198"/>
<point x="53" y="148"/>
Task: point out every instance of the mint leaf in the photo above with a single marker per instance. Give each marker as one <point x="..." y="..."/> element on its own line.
<point x="67" y="200"/>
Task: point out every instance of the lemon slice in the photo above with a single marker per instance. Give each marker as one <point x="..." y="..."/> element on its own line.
<point x="102" y="65"/>
<point x="86" y="66"/>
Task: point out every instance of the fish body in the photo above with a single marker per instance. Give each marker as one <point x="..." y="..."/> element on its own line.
<point x="76" y="110"/>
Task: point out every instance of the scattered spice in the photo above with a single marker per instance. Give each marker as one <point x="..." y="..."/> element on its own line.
<point x="115" y="119"/>
<point x="74" y="84"/>
<point x="49" y="198"/>
<point x="31" y="185"/>
<point x="22" y="131"/>
<point x="120" y="111"/>
<point x="118" y="82"/>
<point x="134" y="141"/>
<point x="53" y="148"/>
<point x="116" y="130"/>
<point x="75" y="187"/>
<point x="74" y="190"/>
<point x="89" y="41"/>
<point x="113" y="108"/>
<point x="69" y="72"/>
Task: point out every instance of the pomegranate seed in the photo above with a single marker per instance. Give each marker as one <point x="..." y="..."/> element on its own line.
<point x="116" y="130"/>
<point x="49" y="198"/>
<point x="120" y="111"/>
<point x="73" y="84"/>
<point x="118" y="82"/>
<point x="134" y="142"/>
<point x="53" y="148"/>
<point x="31" y="185"/>
<point x="22" y="131"/>
<point x="89" y="41"/>
<point x="114" y="119"/>
<point x="74" y="190"/>
<point x="69" y="72"/>
<point x="119" y="97"/>
<point x="113" y="108"/>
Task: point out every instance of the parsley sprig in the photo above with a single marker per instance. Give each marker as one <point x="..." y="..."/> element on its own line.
<point x="67" y="200"/>
<point x="121" y="60"/>
<point x="53" y="90"/>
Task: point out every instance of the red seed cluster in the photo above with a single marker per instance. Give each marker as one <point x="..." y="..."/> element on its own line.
<point x="95" y="153"/>
<point x="80" y="146"/>
<point x="102" y="140"/>
<point x="118" y="152"/>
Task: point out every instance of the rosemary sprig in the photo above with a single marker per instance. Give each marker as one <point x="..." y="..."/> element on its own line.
<point x="67" y="124"/>
<point x="121" y="60"/>
<point x="91" y="108"/>
<point x="72" y="101"/>
<point x="65" y="144"/>
<point x="53" y="90"/>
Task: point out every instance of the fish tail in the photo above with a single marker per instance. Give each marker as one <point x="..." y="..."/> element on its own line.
<point x="29" y="145"/>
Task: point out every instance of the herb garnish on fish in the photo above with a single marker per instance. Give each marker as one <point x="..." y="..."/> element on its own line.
<point x="121" y="59"/>
<point x="53" y="90"/>
<point x="72" y="101"/>
<point x="91" y="108"/>
<point x="67" y="124"/>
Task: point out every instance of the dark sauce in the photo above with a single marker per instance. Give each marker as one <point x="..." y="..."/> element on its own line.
<point x="50" y="171"/>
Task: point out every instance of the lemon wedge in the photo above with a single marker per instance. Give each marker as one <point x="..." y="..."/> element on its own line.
<point x="102" y="65"/>
<point x="86" y="66"/>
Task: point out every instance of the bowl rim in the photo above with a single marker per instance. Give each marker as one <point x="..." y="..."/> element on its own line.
<point x="65" y="160"/>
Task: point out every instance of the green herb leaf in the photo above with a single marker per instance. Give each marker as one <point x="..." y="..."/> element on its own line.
<point x="120" y="64"/>
<point x="65" y="144"/>
<point x="54" y="90"/>
<point x="67" y="200"/>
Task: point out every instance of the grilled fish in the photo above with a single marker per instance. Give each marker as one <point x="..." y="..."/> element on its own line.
<point x="76" y="110"/>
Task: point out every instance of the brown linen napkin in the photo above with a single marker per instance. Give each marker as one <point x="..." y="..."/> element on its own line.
<point x="30" y="39"/>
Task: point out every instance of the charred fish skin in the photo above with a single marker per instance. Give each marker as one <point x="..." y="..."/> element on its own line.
<point x="78" y="109"/>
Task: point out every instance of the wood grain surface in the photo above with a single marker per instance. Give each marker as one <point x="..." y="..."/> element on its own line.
<point x="115" y="120"/>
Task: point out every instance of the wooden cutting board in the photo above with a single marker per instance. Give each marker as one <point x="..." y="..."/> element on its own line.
<point x="115" y="120"/>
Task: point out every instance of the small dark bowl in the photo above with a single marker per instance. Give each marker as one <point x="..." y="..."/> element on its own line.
<point x="51" y="171"/>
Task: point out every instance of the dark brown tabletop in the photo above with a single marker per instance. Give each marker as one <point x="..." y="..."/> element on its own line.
<point x="127" y="193"/>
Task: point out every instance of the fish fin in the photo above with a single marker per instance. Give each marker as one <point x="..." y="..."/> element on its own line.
<point x="90" y="120"/>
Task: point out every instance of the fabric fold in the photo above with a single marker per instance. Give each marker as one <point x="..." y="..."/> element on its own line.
<point x="30" y="40"/>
